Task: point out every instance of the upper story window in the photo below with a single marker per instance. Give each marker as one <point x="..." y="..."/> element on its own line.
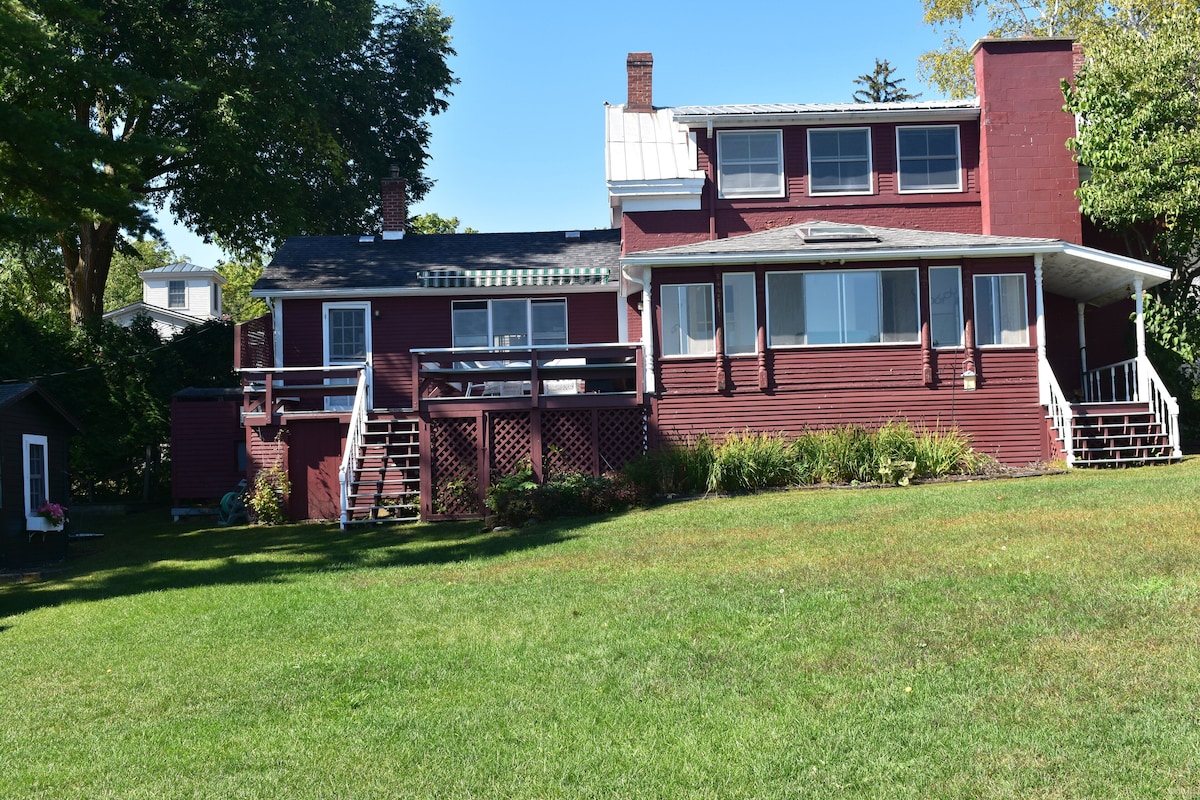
<point x="839" y="161"/>
<point x="1001" y="310"/>
<point x="750" y="163"/>
<point x="687" y="319"/>
<point x="928" y="159"/>
<point x="844" y="307"/>
<point x="518" y="322"/>
<point x="176" y="294"/>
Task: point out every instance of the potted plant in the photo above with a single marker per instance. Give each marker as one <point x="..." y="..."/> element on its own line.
<point x="49" y="517"/>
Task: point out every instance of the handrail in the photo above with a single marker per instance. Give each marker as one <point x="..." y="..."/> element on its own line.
<point x="525" y="348"/>
<point x="1120" y="379"/>
<point x="358" y="419"/>
<point x="1164" y="406"/>
<point x="1061" y="413"/>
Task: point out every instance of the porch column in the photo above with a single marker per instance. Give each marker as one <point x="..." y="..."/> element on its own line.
<point x="1081" y="307"/>
<point x="1043" y="364"/>
<point x="1143" y="379"/>
<point x="648" y="329"/>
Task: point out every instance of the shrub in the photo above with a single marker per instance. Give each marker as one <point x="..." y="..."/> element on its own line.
<point x="746" y="462"/>
<point x="516" y="498"/>
<point x="267" y="496"/>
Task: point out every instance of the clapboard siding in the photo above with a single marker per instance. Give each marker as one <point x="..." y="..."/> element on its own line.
<point x="205" y="435"/>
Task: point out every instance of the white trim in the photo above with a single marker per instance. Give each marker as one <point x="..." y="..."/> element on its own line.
<point x="647" y="317"/>
<point x="1024" y="306"/>
<point x="750" y="194"/>
<point x="830" y="255"/>
<point x="840" y="192"/>
<point x="1040" y="326"/>
<point x="827" y="116"/>
<point x="683" y="332"/>
<point x="880" y="343"/>
<point x="622" y="314"/>
<point x="334" y="403"/>
<point x="529" y="301"/>
<point x="351" y="293"/>
<point x="957" y="157"/>
<point x="754" y="311"/>
<point x="28" y="439"/>
<point x="961" y="311"/>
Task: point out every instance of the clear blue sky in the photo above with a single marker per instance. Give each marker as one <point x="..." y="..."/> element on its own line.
<point x="521" y="147"/>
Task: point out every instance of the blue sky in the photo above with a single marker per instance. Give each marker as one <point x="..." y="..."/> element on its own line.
<point x="521" y="147"/>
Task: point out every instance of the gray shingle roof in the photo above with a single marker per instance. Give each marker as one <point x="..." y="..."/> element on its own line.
<point x="307" y="263"/>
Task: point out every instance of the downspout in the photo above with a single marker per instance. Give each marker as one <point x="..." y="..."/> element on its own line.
<point x="647" y="328"/>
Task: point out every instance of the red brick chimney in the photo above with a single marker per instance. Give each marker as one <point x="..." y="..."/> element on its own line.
<point x="395" y="205"/>
<point x="640" y="68"/>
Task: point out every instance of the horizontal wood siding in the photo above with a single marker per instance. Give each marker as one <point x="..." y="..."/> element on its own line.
<point x="205" y="435"/>
<point x="1002" y="416"/>
<point x="30" y="415"/>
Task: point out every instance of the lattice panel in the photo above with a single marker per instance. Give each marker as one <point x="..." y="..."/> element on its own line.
<point x="511" y="441"/>
<point x="568" y="436"/>
<point x="453" y="448"/>
<point x="622" y="436"/>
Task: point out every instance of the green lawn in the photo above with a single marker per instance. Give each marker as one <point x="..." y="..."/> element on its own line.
<point x="1029" y="638"/>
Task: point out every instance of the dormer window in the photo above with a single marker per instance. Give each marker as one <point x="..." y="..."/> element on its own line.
<point x="928" y="159"/>
<point x="750" y="163"/>
<point x="176" y="294"/>
<point x="839" y="161"/>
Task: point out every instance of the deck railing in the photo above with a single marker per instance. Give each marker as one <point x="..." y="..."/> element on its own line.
<point x="1059" y="409"/>
<point x="358" y="418"/>
<point x="570" y="374"/>
<point x="269" y="392"/>
<point x="1112" y="383"/>
<point x="1164" y="406"/>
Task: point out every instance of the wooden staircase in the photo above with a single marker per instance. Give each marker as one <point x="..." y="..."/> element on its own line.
<point x="386" y="472"/>
<point x="1118" y="435"/>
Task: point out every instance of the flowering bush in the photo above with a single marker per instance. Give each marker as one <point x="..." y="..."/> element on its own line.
<point x="53" y="512"/>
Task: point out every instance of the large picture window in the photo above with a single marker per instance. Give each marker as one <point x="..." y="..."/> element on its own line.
<point x="839" y="161"/>
<point x="847" y="307"/>
<point x="945" y="307"/>
<point x="1001" y="310"/>
<point x="687" y="319"/>
<point x="519" y="322"/>
<point x="928" y="159"/>
<point x="750" y="163"/>
<point x="740" y="314"/>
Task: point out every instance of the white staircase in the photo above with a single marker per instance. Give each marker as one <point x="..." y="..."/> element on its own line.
<point x="385" y="479"/>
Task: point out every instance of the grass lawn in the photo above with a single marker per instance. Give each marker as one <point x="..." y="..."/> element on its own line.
<point x="1031" y="638"/>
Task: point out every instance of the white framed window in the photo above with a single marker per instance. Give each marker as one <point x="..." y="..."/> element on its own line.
<point x="1001" y="311"/>
<point x="510" y="322"/>
<point x="740" y="313"/>
<point x="35" y="458"/>
<point x="750" y="163"/>
<point x="873" y="306"/>
<point x="839" y="161"/>
<point x="176" y="294"/>
<point x="928" y="158"/>
<point x="687" y="319"/>
<point x="945" y="307"/>
<point x="347" y="342"/>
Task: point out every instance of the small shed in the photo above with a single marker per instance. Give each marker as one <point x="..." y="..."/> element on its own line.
<point x="208" y="444"/>
<point x="35" y="433"/>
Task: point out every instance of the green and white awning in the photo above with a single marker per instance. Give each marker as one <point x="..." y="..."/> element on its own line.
<point x="471" y="278"/>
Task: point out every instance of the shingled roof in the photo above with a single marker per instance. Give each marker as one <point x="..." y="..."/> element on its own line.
<point x="336" y="263"/>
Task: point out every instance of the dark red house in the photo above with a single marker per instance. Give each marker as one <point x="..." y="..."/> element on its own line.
<point x="771" y="267"/>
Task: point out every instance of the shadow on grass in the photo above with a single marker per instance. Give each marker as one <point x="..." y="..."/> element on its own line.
<point x="146" y="553"/>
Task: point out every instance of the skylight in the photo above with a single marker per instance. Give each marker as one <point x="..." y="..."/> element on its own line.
<point x="836" y="233"/>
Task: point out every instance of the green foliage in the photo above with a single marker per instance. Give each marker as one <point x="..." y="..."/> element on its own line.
<point x="31" y="280"/>
<point x="434" y="223"/>
<point x="113" y="109"/>
<point x="880" y="87"/>
<point x="133" y="256"/>
<point x="746" y="462"/>
<point x="267" y="496"/>
<point x="240" y="277"/>
<point x="516" y="498"/>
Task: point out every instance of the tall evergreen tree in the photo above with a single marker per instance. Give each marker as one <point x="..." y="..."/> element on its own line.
<point x="880" y="87"/>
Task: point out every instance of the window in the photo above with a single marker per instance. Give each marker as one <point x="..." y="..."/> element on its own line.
<point x="850" y="307"/>
<point x="945" y="307"/>
<point x="928" y="159"/>
<point x="37" y="472"/>
<point x="1001" y="311"/>
<point x="750" y="163"/>
<point x="509" y="323"/>
<point x="740" y="314"/>
<point x="687" y="319"/>
<point x="839" y="161"/>
<point x="176" y="294"/>
<point x="347" y="342"/>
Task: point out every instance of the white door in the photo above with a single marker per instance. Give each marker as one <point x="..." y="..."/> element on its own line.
<point x="347" y="343"/>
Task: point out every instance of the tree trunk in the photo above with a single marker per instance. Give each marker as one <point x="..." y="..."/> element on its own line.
<point x="87" y="261"/>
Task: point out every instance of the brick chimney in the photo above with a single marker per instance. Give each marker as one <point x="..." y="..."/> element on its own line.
<point x="640" y="68"/>
<point x="395" y="204"/>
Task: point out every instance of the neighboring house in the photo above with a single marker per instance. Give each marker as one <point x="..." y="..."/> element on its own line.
<point x="773" y="268"/>
<point x="174" y="297"/>
<point x="35" y="432"/>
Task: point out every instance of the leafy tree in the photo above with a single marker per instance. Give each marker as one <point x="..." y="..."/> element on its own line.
<point x="880" y="87"/>
<point x="240" y="276"/>
<point x="31" y="279"/>
<point x="435" y="223"/>
<point x="950" y="69"/>
<point x="124" y="286"/>
<point x="249" y="121"/>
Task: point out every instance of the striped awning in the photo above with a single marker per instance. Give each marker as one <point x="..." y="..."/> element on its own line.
<point x="469" y="278"/>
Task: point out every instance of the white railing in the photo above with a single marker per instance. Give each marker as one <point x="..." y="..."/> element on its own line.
<point x="358" y="420"/>
<point x="1113" y="383"/>
<point x="1061" y="414"/>
<point x="1164" y="406"/>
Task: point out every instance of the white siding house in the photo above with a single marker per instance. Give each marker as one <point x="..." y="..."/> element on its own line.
<point x="174" y="297"/>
